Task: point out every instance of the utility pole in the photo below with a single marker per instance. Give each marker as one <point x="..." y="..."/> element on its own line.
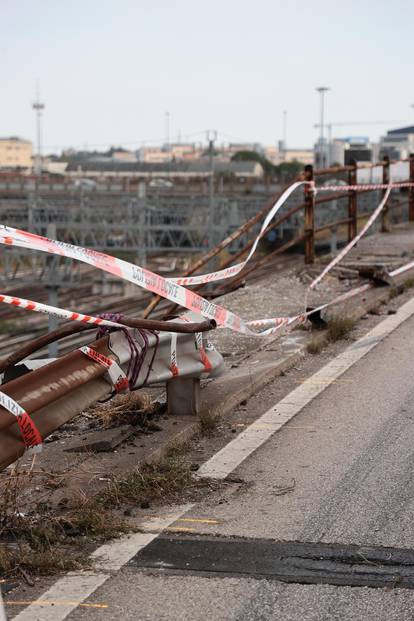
<point x="167" y="132"/>
<point x="38" y="106"/>
<point x="284" y="134"/>
<point x="322" y="90"/>
<point x="211" y="137"/>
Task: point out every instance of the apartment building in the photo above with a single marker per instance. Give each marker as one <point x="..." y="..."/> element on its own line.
<point x="15" y="153"/>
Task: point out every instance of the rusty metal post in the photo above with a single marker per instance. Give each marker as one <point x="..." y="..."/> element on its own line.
<point x="411" y="191"/>
<point x="352" y="203"/>
<point x="309" y="222"/>
<point x="385" y="221"/>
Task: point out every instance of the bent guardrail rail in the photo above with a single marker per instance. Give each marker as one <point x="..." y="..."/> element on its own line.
<point x="53" y="392"/>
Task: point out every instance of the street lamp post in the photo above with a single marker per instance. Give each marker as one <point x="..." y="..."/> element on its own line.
<point x="38" y="107"/>
<point x="322" y="90"/>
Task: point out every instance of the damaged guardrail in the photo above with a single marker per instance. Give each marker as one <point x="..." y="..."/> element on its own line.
<point x="57" y="390"/>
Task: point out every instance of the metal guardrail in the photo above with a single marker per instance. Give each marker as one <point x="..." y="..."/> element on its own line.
<point x="54" y="391"/>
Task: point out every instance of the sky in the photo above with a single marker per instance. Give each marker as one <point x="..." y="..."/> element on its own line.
<point x="110" y="70"/>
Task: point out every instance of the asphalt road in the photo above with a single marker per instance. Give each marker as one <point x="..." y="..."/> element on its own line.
<point x="340" y="472"/>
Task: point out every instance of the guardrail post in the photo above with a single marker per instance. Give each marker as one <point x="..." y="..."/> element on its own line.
<point x="411" y="191"/>
<point x="385" y="222"/>
<point x="352" y="203"/>
<point x="309" y="223"/>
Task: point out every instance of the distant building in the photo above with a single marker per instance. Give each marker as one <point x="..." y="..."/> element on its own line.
<point x="183" y="151"/>
<point x="343" y="150"/>
<point x="174" y="151"/>
<point x="398" y="143"/>
<point x="280" y="154"/>
<point x="124" y="156"/>
<point x="152" y="155"/>
<point x="107" y="167"/>
<point x="15" y="153"/>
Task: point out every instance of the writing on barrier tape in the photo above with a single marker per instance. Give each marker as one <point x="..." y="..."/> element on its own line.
<point x="31" y="435"/>
<point x="128" y="271"/>
<point x="117" y="376"/>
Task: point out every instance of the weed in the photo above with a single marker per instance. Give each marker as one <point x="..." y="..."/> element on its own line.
<point x="409" y="283"/>
<point x="36" y="538"/>
<point x="207" y="423"/>
<point x="134" y="408"/>
<point x="315" y="346"/>
<point x="393" y="293"/>
<point x="21" y="556"/>
<point x="339" y="328"/>
<point x="148" y="483"/>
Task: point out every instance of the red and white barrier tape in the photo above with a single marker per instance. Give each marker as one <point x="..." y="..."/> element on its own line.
<point x="228" y="272"/>
<point x="167" y="288"/>
<point x="362" y="187"/>
<point x="353" y="241"/>
<point x="117" y="376"/>
<point x="57" y="312"/>
<point x="31" y="435"/>
<point x="133" y="273"/>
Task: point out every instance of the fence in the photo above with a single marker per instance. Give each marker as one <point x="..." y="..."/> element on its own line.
<point x="307" y="210"/>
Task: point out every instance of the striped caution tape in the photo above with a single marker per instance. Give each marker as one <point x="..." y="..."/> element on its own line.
<point x="353" y="241"/>
<point x="167" y="288"/>
<point x="363" y="187"/>
<point x="61" y="313"/>
<point x="117" y="376"/>
<point x="228" y="272"/>
<point x="31" y="435"/>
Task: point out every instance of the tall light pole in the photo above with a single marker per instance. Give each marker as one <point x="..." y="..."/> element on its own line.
<point x="167" y="132"/>
<point x="38" y="107"/>
<point x="322" y="90"/>
<point x="211" y="137"/>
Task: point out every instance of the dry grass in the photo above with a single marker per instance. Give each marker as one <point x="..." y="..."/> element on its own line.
<point x="409" y="283"/>
<point x="39" y="539"/>
<point x="134" y="408"/>
<point x="164" y="480"/>
<point x="339" y="328"/>
<point x="315" y="346"/>
<point x="208" y="423"/>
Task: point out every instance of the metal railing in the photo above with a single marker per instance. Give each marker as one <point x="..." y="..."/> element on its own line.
<point x="306" y="212"/>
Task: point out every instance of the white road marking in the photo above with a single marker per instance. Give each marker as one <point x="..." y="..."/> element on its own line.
<point x="75" y="587"/>
<point x="249" y="440"/>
